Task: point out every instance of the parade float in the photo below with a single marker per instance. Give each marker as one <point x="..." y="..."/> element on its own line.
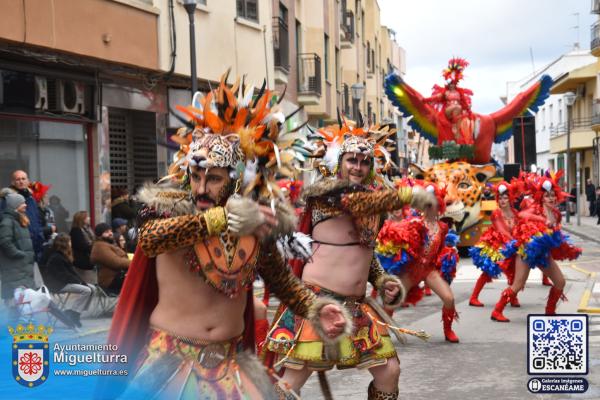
<point x="461" y="141"/>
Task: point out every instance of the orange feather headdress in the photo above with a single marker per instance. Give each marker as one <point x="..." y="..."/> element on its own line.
<point x="332" y="142"/>
<point x="231" y="128"/>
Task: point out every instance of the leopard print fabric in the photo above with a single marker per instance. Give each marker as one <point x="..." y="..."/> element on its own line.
<point x="372" y="203"/>
<point x="375" y="394"/>
<point x="161" y="235"/>
<point x="280" y="280"/>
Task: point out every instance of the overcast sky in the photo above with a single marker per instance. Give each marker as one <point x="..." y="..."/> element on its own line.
<point x="495" y="36"/>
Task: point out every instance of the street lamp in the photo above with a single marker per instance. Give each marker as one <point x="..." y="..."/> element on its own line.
<point x="190" y="7"/>
<point x="358" y="89"/>
<point x="569" y="101"/>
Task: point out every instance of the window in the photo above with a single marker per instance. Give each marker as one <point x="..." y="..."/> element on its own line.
<point x="247" y="9"/>
<point x="326" y="57"/>
<point x="337" y="69"/>
<point x="52" y="152"/>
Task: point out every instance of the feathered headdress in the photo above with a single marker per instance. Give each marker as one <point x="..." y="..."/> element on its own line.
<point x="504" y="187"/>
<point x="332" y="142"/>
<point x="439" y="191"/>
<point x="38" y="190"/>
<point x="293" y="187"/>
<point x="232" y="129"/>
<point x="548" y="182"/>
<point x="454" y="71"/>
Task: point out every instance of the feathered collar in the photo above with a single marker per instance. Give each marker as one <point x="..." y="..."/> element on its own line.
<point x="166" y="199"/>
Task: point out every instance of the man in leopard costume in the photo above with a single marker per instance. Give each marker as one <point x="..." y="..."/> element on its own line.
<point x="344" y="212"/>
<point x="186" y="310"/>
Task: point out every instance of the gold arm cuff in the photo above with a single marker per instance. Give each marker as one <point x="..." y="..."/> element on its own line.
<point x="216" y="220"/>
<point x="405" y="194"/>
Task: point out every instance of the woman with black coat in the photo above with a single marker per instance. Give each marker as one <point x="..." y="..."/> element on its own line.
<point x="60" y="277"/>
<point x="82" y="239"/>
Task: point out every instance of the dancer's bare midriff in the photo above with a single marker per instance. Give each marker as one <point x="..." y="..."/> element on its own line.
<point x="338" y="263"/>
<point x="188" y="306"/>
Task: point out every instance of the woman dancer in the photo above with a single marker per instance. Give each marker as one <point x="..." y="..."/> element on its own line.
<point x="421" y="249"/>
<point x="496" y="249"/>
<point x="541" y="242"/>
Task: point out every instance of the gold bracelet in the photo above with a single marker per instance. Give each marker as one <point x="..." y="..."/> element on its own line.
<point x="216" y="220"/>
<point x="405" y="194"/>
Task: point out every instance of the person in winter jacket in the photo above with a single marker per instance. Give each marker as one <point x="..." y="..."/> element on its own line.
<point x="20" y="184"/>
<point x="82" y="239"/>
<point x="60" y="277"/>
<point x="112" y="261"/>
<point x="16" y="248"/>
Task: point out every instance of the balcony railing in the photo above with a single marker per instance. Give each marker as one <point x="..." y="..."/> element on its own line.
<point x="595" y="36"/>
<point x="576" y="123"/>
<point x="309" y="74"/>
<point x="347" y="27"/>
<point x="595" y="6"/>
<point x="281" y="43"/>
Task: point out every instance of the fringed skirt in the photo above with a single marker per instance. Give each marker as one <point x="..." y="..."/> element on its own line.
<point x="494" y="254"/>
<point x="296" y="343"/>
<point x="538" y="242"/>
<point x="173" y="367"/>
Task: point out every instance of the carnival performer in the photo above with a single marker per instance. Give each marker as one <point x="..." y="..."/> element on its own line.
<point x="540" y="242"/>
<point x="422" y="249"/>
<point x="186" y="309"/>
<point x="454" y="104"/>
<point x="343" y="213"/>
<point x="496" y="250"/>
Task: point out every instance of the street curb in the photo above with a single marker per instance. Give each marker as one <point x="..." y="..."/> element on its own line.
<point x="587" y="292"/>
<point x="581" y="235"/>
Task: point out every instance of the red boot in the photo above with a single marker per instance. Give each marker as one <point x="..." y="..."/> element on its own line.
<point x="553" y="297"/>
<point x="449" y="315"/>
<point x="546" y="281"/>
<point x="481" y="281"/>
<point x="514" y="301"/>
<point x="505" y="297"/>
<point x="261" y="328"/>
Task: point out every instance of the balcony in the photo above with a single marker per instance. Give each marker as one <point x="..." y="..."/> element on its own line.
<point x="347" y="30"/>
<point x="281" y="50"/>
<point x="582" y="135"/>
<point x="596" y="117"/>
<point x="309" y="79"/>
<point x="595" y="7"/>
<point x="595" y="36"/>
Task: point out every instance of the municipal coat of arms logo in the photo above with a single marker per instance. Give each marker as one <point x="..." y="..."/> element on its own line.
<point x="30" y="354"/>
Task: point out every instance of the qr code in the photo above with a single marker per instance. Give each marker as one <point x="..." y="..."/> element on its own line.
<point x="557" y="344"/>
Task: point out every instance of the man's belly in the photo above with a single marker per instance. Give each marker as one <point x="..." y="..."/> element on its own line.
<point x="342" y="269"/>
<point x="188" y="306"/>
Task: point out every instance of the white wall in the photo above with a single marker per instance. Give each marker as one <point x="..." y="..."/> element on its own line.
<point x="554" y="110"/>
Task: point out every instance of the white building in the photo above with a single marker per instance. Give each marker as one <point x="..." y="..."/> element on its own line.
<point x="552" y="116"/>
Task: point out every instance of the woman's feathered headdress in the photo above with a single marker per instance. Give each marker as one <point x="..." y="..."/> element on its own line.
<point x="504" y="187"/>
<point x="454" y="71"/>
<point x="546" y="183"/>
<point x="38" y="190"/>
<point x="232" y="128"/>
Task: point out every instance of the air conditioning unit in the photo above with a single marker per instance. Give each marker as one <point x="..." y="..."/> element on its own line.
<point x="41" y="93"/>
<point x="71" y="97"/>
